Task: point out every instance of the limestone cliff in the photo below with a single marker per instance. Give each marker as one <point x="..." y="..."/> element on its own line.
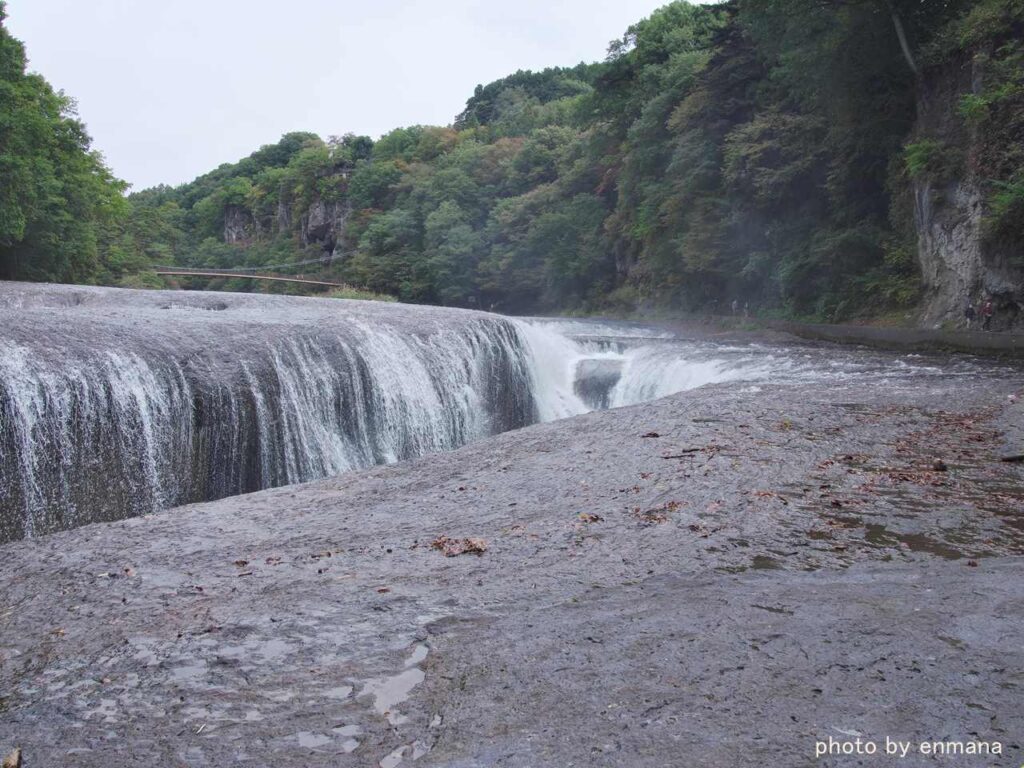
<point x="320" y="224"/>
<point x="323" y="224"/>
<point x="960" y="261"/>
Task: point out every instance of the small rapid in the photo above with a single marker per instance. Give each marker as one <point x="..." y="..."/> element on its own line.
<point x="580" y="366"/>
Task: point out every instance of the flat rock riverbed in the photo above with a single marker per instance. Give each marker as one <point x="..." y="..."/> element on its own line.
<point x="726" y="576"/>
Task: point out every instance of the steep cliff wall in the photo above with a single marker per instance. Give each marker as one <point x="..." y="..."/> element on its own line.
<point x="961" y="260"/>
<point x="321" y="224"/>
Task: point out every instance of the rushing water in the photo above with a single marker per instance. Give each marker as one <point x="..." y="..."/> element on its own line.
<point x="116" y="403"/>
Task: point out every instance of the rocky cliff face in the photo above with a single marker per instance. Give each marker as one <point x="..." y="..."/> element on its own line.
<point x="324" y="223"/>
<point x="321" y="224"/>
<point x="958" y="263"/>
<point x="240" y="226"/>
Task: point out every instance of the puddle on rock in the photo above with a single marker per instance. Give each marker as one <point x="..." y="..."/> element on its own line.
<point x="415" y="751"/>
<point x="388" y="692"/>
<point x="419" y="653"/>
<point x="393" y="759"/>
<point x="880" y="536"/>
<point x="311" y="740"/>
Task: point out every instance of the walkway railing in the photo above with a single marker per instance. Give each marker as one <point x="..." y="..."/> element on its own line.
<point x="187" y="272"/>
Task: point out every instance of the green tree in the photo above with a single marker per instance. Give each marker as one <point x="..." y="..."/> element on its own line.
<point x="56" y="196"/>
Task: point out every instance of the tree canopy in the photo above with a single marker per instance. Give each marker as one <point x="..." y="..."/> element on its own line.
<point x="761" y="150"/>
<point x="56" y="196"/>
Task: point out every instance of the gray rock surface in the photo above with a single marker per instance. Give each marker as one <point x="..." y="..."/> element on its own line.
<point x="775" y="568"/>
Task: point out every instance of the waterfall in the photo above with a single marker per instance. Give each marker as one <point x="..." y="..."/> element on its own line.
<point x="119" y="403"/>
<point x="116" y="403"/>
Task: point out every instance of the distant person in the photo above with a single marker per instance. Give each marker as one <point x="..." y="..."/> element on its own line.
<point x="746" y="309"/>
<point x="986" y="315"/>
<point x="735" y="306"/>
<point x="970" y="314"/>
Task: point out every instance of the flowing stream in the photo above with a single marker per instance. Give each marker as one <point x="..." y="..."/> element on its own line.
<point x="116" y="403"/>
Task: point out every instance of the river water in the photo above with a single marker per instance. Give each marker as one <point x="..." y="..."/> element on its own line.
<point x="116" y="403"/>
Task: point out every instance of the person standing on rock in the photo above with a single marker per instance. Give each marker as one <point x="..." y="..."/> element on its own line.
<point x="986" y="315"/>
<point x="970" y="314"/>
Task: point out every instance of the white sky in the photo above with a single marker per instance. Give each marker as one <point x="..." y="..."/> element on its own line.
<point x="170" y="90"/>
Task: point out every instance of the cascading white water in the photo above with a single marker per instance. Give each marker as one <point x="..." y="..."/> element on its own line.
<point x="116" y="403"/>
<point x="605" y="366"/>
<point x="552" y="364"/>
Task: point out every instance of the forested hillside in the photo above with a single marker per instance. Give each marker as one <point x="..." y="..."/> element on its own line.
<point x="57" y="200"/>
<point x="811" y="158"/>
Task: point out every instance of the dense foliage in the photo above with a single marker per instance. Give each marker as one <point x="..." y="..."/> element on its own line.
<point x="758" y="150"/>
<point x="57" y="199"/>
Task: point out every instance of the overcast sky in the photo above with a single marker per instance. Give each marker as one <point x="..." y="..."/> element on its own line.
<point x="171" y="90"/>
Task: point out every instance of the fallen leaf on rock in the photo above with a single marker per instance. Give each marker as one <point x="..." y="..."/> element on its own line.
<point x="13" y="760"/>
<point x="241" y="563"/>
<point x="590" y="517"/>
<point x="452" y="547"/>
<point x="655" y="515"/>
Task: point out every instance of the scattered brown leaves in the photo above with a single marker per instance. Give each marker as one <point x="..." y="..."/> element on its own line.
<point x="655" y="515"/>
<point x="452" y="547"/>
